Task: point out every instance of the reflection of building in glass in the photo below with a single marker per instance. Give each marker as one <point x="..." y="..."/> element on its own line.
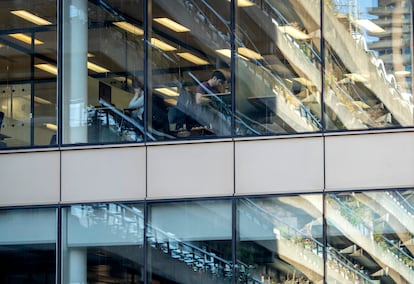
<point x="247" y="176"/>
<point x="393" y="45"/>
<point x="357" y="73"/>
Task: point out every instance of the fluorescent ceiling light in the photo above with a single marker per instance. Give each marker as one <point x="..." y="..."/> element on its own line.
<point x="369" y="26"/>
<point x="47" y="67"/>
<point x="168" y="23"/>
<point x="243" y="3"/>
<point x="31" y="17"/>
<point x="42" y="101"/>
<point x="162" y="45"/>
<point x="249" y="53"/>
<point x="227" y="53"/>
<point x="26" y="39"/>
<point x="294" y="32"/>
<point x="192" y="58"/>
<point x="51" y="126"/>
<point x="170" y="92"/>
<point x="97" y="68"/>
<point x="129" y="28"/>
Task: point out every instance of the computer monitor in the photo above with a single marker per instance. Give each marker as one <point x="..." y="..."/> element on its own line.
<point x="105" y="92"/>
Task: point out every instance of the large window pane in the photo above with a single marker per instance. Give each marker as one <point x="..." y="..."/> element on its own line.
<point x="278" y="68"/>
<point x="103" y="243"/>
<point x="370" y="236"/>
<point x="102" y="56"/>
<point x="183" y="57"/>
<point x="368" y="79"/>
<point x="280" y="240"/>
<point x="28" y="246"/>
<point x="27" y="92"/>
<point x="190" y="242"/>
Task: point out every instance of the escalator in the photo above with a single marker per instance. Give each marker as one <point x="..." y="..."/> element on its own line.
<point x="175" y="260"/>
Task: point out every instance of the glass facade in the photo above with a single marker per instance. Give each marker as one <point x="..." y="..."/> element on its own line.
<point x="28" y="85"/>
<point x="101" y="72"/>
<point x="190" y="242"/>
<point x="103" y="243"/>
<point x="278" y="67"/>
<point x="346" y="237"/>
<point x="366" y="68"/>
<point x="28" y="242"/>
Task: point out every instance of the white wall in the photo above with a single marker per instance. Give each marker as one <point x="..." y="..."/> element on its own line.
<point x="29" y="178"/>
<point x="279" y="165"/>
<point x="370" y="161"/>
<point x="216" y="168"/>
<point x="103" y="174"/>
<point x="190" y="170"/>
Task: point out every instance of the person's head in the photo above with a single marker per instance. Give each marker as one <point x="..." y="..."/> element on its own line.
<point x="136" y="84"/>
<point x="217" y="78"/>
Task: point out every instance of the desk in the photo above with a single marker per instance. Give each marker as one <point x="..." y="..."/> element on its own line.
<point x="266" y="104"/>
<point x="224" y="98"/>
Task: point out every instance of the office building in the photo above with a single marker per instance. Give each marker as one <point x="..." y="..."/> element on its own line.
<point x="206" y="141"/>
<point x="394" y="48"/>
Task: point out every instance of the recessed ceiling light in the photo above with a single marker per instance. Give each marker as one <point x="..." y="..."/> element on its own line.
<point x="52" y="69"/>
<point x="97" y="68"/>
<point x="31" y="17"/>
<point x="172" y="25"/>
<point x="129" y="28"/>
<point x="162" y="45"/>
<point x="243" y="3"/>
<point x="26" y="39"/>
<point x="192" y="58"/>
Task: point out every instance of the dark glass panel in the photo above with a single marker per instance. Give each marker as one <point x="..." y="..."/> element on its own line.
<point x="103" y="243"/>
<point x="187" y="98"/>
<point x="190" y="242"/>
<point x="28" y="56"/>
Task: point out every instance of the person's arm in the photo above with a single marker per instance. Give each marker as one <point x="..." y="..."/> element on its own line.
<point x="136" y="102"/>
<point x="199" y="96"/>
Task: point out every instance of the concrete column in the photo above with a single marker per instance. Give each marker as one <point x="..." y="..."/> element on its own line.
<point x="77" y="273"/>
<point x="75" y="71"/>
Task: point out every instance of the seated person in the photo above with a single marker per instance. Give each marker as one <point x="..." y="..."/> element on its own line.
<point x="201" y="110"/>
<point x="211" y="86"/>
<point x="136" y="104"/>
<point x="159" y="120"/>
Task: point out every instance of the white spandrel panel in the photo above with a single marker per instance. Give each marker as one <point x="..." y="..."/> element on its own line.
<point x="103" y="174"/>
<point x="29" y="178"/>
<point x="279" y="165"/>
<point x="370" y="161"/>
<point x="190" y="170"/>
